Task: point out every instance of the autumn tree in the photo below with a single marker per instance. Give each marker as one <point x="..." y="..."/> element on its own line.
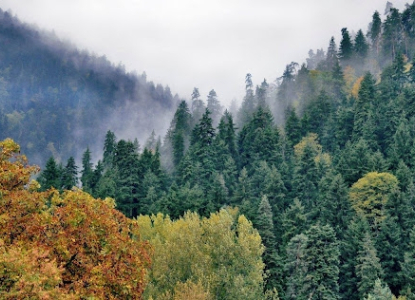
<point x="66" y="246"/>
<point x="221" y="253"/>
<point x="370" y="195"/>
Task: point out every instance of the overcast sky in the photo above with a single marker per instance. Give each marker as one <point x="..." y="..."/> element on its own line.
<point x="207" y="44"/>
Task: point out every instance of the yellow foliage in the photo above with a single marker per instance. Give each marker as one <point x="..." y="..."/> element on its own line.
<point x="311" y="141"/>
<point x="370" y="194"/>
<point x="356" y="87"/>
<point x="190" y="291"/>
<point x="58" y="246"/>
<point x="222" y="254"/>
<point x="349" y="77"/>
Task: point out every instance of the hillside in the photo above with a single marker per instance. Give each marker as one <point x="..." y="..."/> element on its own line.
<point x="57" y="100"/>
<point x="320" y="164"/>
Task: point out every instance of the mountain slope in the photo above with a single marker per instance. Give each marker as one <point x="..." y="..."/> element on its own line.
<point x="57" y="100"/>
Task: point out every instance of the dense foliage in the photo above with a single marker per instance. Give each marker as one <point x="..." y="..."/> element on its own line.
<point x="321" y="162"/>
<point x="64" y="245"/>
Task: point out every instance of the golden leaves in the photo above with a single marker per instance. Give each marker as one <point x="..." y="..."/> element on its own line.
<point x="64" y="245"/>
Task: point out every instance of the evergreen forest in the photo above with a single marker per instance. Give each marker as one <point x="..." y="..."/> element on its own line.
<point x="305" y="191"/>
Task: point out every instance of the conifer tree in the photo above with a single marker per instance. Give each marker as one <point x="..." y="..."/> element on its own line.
<point x="360" y="46"/>
<point x="331" y="56"/>
<point x="51" y="175"/>
<point x="110" y="144"/>
<point x="349" y="248"/>
<point x="261" y="93"/>
<point x="87" y="172"/>
<point x="294" y="221"/>
<point x="293" y="127"/>
<point x="296" y="267"/>
<point x="346" y="47"/>
<point x="368" y="267"/>
<point x="408" y="264"/>
<point x="375" y="32"/>
<point x="198" y="106"/>
<point x="180" y="132"/>
<point x="214" y="107"/>
<point x="127" y="164"/>
<point x="362" y="107"/>
<point x="248" y="105"/>
<point x="322" y="261"/>
<point x="70" y="174"/>
<point x="264" y="224"/>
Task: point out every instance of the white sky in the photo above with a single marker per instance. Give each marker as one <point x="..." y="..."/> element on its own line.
<point x="205" y="44"/>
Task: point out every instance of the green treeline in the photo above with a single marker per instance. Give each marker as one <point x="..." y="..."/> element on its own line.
<point x="322" y="163"/>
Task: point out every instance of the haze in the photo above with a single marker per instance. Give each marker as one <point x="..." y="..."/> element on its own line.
<point x="205" y="44"/>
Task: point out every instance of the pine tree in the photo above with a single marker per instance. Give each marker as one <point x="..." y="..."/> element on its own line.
<point x="87" y="172"/>
<point x="180" y="131"/>
<point x="110" y="144"/>
<point x="380" y="292"/>
<point x="375" y="32"/>
<point x="333" y="204"/>
<point x="261" y="93"/>
<point x="331" y="57"/>
<point x="70" y="174"/>
<point x="296" y="267"/>
<point x="346" y="47"/>
<point x="293" y="127"/>
<point x="368" y="267"/>
<point x="50" y="176"/>
<point x="248" y="105"/>
<point x="294" y="221"/>
<point x="322" y="260"/>
<point x="265" y="226"/>
<point x="127" y="163"/>
<point x="350" y="247"/>
<point x="408" y="264"/>
<point x="214" y="107"/>
<point x="392" y="34"/>
<point x="360" y="46"/>
<point x="362" y="107"/>
<point x="389" y="246"/>
<point x="198" y="106"/>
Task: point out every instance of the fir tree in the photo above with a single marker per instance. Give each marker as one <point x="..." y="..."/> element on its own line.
<point x="346" y="47"/>
<point x="70" y="174"/>
<point x="368" y="267"/>
<point x="50" y="176"/>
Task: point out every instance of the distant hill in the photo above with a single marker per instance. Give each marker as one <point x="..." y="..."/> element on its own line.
<point x="57" y="100"/>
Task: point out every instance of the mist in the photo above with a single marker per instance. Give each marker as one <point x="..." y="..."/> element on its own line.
<point x="209" y="45"/>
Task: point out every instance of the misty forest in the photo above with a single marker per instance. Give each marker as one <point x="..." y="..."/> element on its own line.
<point x="305" y="190"/>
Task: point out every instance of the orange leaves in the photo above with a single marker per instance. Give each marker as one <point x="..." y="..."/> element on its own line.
<point x="52" y="244"/>
<point x="14" y="171"/>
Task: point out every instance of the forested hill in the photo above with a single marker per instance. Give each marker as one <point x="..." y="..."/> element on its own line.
<point x="57" y="100"/>
<point x="322" y="163"/>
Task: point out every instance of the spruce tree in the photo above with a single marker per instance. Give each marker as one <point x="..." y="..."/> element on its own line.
<point x="296" y="267"/>
<point x="264" y="224"/>
<point x="110" y="144"/>
<point x="322" y="260"/>
<point x="50" y="176"/>
<point x="70" y="174"/>
<point x="360" y="46"/>
<point x="87" y="172"/>
<point x="346" y="47"/>
<point x="214" y="107"/>
<point x="368" y="267"/>
<point x="375" y="32"/>
<point x="349" y="248"/>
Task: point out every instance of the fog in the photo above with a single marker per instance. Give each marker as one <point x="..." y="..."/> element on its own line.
<point x="204" y="44"/>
